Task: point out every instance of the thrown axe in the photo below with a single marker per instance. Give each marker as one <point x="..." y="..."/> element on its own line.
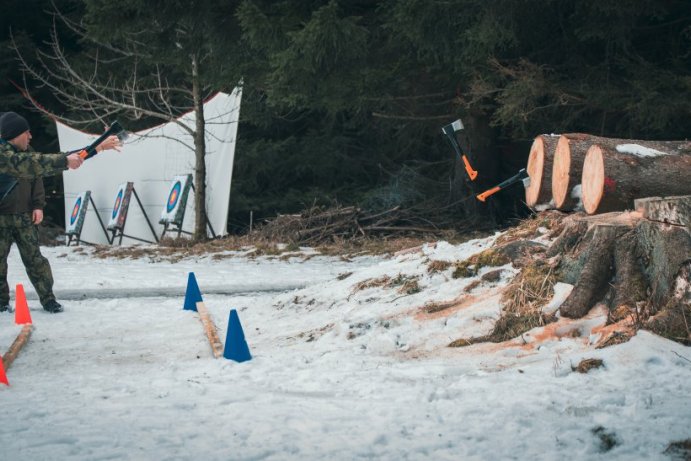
<point x="114" y="129"/>
<point x="450" y="132"/>
<point x="521" y="176"/>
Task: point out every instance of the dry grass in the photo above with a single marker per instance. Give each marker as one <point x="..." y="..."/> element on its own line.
<point x="437" y="266"/>
<point x="472" y="285"/>
<point x="432" y="307"/>
<point x="170" y="249"/>
<point x="528" y="228"/>
<point x="532" y="288"/>
<point x="407" y="284"/>
<point x="679" y="451"/>
<point x="470" y="267"/>
<point x="615" y="338"/>
<point x="588" y="364"/>
<point x="371" y="283"/>
<point x="523" y="299"/>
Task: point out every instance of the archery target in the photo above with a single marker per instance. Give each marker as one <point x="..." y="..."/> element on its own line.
<point x="174" y="209"/>
<point x="76" y="219"/>
<point x="122" y="202"/>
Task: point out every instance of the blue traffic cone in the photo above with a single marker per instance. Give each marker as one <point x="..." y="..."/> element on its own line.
<point x="192" y="295"/>
<point x="236" y="346"/>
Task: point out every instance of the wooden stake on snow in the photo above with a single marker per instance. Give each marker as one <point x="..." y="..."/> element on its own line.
<point x="17" y="345"/>
<point x="539" y="169"/>
<point x="210" y="330"/>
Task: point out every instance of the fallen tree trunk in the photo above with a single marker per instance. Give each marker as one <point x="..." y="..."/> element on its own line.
<point x="540" y="161"/>
<point x="617" y="172"/>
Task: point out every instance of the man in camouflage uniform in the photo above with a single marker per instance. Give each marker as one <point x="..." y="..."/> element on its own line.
<point x="19" y="212"/>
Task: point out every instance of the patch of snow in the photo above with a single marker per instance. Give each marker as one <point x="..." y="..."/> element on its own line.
<point x="337" y="372"/>
<point x="561" y="292"/>
<point x="638" y="150"/>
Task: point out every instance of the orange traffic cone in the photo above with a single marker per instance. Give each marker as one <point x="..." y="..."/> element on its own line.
<point x="3" y="376"/>
<point x="21" y="308"/>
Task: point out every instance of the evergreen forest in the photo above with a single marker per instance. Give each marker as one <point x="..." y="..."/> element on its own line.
<point x="343" y="101"/>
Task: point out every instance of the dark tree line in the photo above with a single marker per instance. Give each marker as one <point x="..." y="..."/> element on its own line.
<point x="344" y="100"/>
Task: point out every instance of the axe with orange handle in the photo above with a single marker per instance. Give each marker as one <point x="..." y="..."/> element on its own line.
<point x="450" y="132"/>
<point x="521" y="176"/>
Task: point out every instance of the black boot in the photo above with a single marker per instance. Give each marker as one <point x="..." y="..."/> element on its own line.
<point x="5" y="307"/>
<point x="53" y="307"/>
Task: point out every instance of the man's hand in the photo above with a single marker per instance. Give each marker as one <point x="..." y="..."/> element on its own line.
<point x="37" y="216"/>
<point x="111" y="142"/>
<point x="74" y="161"/>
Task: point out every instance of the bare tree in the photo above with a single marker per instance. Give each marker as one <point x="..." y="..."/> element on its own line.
<point x="106" y="80"/>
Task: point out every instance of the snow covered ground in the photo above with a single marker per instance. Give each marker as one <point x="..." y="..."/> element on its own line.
<point x="343" y="368"/>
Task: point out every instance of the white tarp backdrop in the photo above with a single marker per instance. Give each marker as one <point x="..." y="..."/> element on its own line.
<point x="151" y="159"/>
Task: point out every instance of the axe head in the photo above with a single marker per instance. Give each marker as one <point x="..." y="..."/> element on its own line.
<point x="118" y="131"/>
<point x="453" y="127"/>
<point x="523" y="176"/>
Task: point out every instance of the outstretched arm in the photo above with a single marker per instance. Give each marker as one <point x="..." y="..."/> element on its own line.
<point x="29" y="165"/>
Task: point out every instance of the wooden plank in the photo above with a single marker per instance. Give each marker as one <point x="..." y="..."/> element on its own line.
<point x="210" y="330"/>
<point x="19" y="342"/>
<point x="670" y="210"/>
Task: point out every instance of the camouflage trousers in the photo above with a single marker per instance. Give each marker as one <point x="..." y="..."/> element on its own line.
<point x="18" y="228"/>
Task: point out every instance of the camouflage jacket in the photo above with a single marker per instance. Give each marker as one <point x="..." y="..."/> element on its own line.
<point x="29" y="165"/>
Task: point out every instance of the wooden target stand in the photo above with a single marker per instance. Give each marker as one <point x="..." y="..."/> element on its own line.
<point x="76" y="224"/>
<point x="174" y="211"/>
<point x="119" y="215"/>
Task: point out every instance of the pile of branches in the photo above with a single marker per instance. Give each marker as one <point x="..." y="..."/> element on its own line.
<point x="318" y="225"/>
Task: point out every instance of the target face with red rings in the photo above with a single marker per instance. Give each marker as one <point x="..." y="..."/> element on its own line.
<point x="118" y="202"/>
<point x="174" y="196"/>
<point x="75" y="210"/>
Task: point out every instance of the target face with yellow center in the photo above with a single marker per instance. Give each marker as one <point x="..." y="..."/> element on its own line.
<point x="122" y="202"/>
<point x="174" y="209"/>
<point x="174" y="196"/>
<point x="76" y="218"/>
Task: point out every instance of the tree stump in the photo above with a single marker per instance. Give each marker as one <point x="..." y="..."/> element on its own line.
<point x="540" y="165"/>
<point x="628" y="261"/>
<point x="616" y="172"/>
<point x="593" y="281"/>
<point x="670" y="210"/>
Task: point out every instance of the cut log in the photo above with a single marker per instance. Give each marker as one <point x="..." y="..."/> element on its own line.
<point x="617" y="172"/>
<point x="210" y="330"/>
<point x="540" y="161"/>
<point x="670" y="210"/>
<point x="566" y="169"/>
<point x="17" y="345"/>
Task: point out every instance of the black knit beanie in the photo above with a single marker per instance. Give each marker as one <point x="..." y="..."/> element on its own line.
<point x="12" y="125"/>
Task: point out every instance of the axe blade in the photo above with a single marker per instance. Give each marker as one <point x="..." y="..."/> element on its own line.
<point x="457" y="125"/>
<point x="452" y="127"/>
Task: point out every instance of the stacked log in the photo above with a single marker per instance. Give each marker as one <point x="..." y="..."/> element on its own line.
<point x="567" y="167"/>
<point x="539" y="169"/>
<point x="616" y="172"/>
